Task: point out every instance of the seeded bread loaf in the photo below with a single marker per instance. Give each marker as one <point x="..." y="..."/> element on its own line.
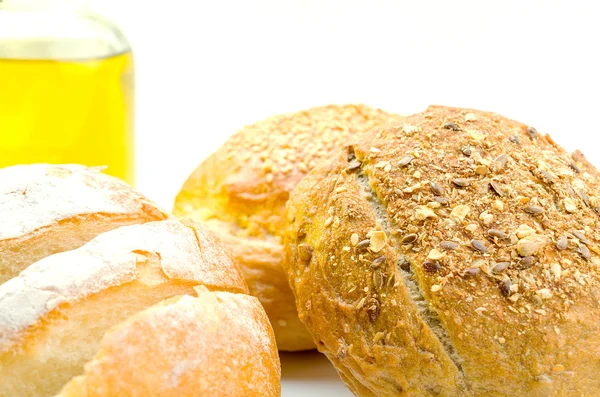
<point x="45" y="209"/>
<point x="53" y="315"/>
<point x="216" y="344"/>
<point x="456" y="255"/>
<point x="241" y="190"/>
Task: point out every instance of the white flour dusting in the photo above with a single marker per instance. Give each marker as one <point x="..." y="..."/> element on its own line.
<point x="109" y="261"/>
<point x="42" y="194"/>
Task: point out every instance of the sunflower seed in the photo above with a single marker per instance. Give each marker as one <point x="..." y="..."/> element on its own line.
<point x="584" y="252"/>
<point x="584" y="197"/>
<point x="449" y="245"/>
<point x="580" y="236"/>
<point x="460" y="182"/>
<point x="363" y="245"/>
<point x="505" y="287"/>
<point x="472" y="271"/>
<point x="546" y="176"/>
<point x="451" y="126"/>
<point x="502" y="159"/>
<point x="533" y="209"/>
<point x="432" y="266"/>
<point x="373" y="309"/>
<point x="361" y="303"/>
<point x="532" y="132"/>
<point x="378" y="262"/>
<point x="353" y="165"/>
<point x="466" y="150"/>
<point x="479" y="246"/>
<point x="574" y="167"/>
<point x="562" y="243"/>
<point x="496" y="188"/>
<point x="500" y="267"/>
<point x="404" y="264"/>
<point x="497" y="233"/>
<point x="514" y="139"/>
<point x="377" y="280"/>
<point x="391" y="280"/>
<point x="527" y="262"/>
<point x="406" y="160"/>
<point x="442" y="200"/>
<point x="436" y="189"/>
<point x="409" y="238"/>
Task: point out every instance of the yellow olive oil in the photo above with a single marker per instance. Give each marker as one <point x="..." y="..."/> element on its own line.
<point x="68" y="111"/>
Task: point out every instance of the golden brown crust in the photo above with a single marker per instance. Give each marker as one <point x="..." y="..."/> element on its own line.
<point x="256" y="258"/>
<point x="46" y="209"/>
<point x="241" y="190"/>
<point x="487" y="224"/>
<point x="218" y="344"/>
<point x="53" y="315"/>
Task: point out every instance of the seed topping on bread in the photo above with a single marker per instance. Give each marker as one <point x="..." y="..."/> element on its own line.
<point x="514" y="210"/>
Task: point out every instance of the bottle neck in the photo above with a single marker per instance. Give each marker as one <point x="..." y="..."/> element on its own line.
<point x="56" y="30"/>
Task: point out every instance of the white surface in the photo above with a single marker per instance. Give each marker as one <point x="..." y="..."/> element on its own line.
<point x="205" y="69"/>
<point x="310" y="374"/>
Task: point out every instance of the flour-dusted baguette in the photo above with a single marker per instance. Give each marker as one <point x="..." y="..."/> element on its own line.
<point x="218" y="344"/>
<point x="53" y="315"/>
<point x="45" y="209"/>
<point x="456" y="255"/>
<point x="241" y="190"/>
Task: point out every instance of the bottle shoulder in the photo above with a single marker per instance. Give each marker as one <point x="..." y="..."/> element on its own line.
<point x="62" y="35"/>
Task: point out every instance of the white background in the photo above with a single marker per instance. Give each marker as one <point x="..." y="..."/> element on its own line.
<point x="207" y="68"/>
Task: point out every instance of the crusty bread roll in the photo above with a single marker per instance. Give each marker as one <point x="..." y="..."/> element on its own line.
<point x="53" y="315"/>
<point x="456" y="255"/>
<point x="45" y="209"/>
<point x="241" y="190"/>
<point x="218" y="344"/>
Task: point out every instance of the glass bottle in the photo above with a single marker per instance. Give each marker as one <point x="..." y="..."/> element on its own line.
<point x="66" y="87"/>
